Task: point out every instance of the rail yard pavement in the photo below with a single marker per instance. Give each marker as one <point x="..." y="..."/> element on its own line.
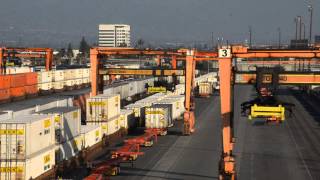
<point x="183" y="157"/>
<point x="286" y="151"/>
<point x="270" y="151"/>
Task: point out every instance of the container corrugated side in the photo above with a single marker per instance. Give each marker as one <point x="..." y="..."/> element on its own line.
<point x="69" y="149"/>
<point x="45" y="77"/>
<point x="127" y="120"/>
<point x="177" y="103"/>
<point x="67" y="122"/>
<point x="111" y="126"/>
<point x="18" y="138"/>
<point x="58" y="75"/>
<point x="205" y="88"/>
<point x="133" y="89"/>
<point x="158" y="116"/>
<point x="91" y="135"/>
<point x="102" y="107"/>
<point x="45" y="86"/>
<point x="29" y="168"/>
<point x="138" y="109"/>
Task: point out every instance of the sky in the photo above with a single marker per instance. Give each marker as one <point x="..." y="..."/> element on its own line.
<point x="57" y="22"/>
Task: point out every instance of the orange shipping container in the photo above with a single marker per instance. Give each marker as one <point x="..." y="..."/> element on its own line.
<point x="5" y="82"/>
<point x="31" y="78"/>
<point x="31" y="90"/>
<point x="17" y="80"/>
<point x="17" y="92"/>
<point x="4" y="94"/>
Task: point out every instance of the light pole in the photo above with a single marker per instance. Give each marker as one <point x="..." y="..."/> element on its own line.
<point x="310" y="8"/>
<point x="296" y="21"/>
<point x="279" y="37"/>
<point x="304" y="30"/>
<point x="250" y="36"/>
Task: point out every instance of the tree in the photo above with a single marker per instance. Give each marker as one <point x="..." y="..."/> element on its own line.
<point x="69" y="51"/>
<point x="62" y="52"/>
<point x="84" y="47"/>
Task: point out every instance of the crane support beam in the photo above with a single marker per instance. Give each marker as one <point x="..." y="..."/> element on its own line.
<point x="131" y="51"/>
<point x="284" y="78"/>
<point x="94" y="71"/>
<point x="188" y="117"/>
<point x="282" y="62"/>
<point x="227" y="163"/>
<point x="46" y="53"/>
<point x="146" y="72"/>
<point x="174" y="62"/>
<point x="279" y="55"/>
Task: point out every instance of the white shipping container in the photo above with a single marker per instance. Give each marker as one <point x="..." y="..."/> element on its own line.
<point x="58" y="85"/>
<point x="69" y="149"/>
<point x="86" y="72"/>
<point x="111" y="126"/>
<point x="117" y="90"/>
<point x="108" y="91"/>
<point x="30" y="168"/>
<point x="78" y="73"/>
<point x="158" y="116"/>
<point x="69" y="74"/>
<point x="70" y="83"/>
<point x="177" y="104"/>
<point x="86" y="80"/>
<point x="205" y="89"/>
<point x="45" y="86"/>
<point x="67" y="122"/>
<point x="78" y="82"/>
<point x="91" y="134"/>
<point x="127" y="118"/>
<point x="102" y="107"/>
<point x="45" y="77"/>
<point x="133" y="89"/>
<point x="125" y="88"/>
<point x="141" y="86"/>
<point x="138" y="109"/>
<point x="58" y="75"/>
<point x="24" y="135"/>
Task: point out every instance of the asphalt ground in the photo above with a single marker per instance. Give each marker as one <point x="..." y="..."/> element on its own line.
<point x="290" y="150"/>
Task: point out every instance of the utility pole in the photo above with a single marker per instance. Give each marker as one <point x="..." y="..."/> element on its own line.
<point x="296" y="21"/>
<point x="300" y="26"/>
<point x="279" y="37"/>
<point x="250" y="36"/>
<point x="212" y="40"/>
<point x="304" y="30"/>
<point x="310" y="8"/>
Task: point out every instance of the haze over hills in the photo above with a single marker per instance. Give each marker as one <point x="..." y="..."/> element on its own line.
<point x="55" y="23"/>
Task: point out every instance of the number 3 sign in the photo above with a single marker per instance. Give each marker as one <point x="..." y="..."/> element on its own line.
<point x="224" y="53"/>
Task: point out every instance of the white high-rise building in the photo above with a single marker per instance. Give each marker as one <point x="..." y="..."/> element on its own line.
<point x="114" y="35"/>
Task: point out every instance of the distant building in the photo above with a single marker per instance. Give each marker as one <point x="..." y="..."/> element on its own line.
<point x="114" y="35"/>
<point x="299" y="44"/>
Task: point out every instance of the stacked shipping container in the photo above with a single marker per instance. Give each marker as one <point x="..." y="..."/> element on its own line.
<point x="27" y="146"/>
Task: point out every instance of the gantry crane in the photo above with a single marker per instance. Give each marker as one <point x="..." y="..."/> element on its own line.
<point x="7" y="52"/>
<point x="227" y="78"/>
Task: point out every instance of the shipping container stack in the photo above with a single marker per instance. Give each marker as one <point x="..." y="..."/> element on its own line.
<point x="67" y="122"/>
<point x="104" y="111"/>
<point x="27" y="147"/>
